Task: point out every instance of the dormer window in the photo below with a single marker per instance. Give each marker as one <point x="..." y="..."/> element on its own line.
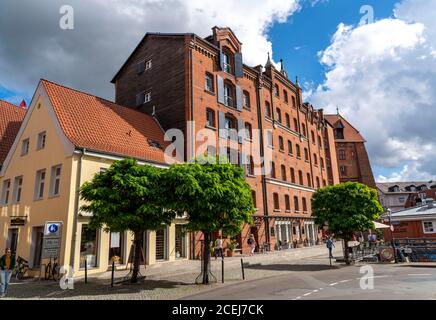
<point x="339" y="133"/>
<point x="155" y="144"/>
<point x="227" y="65"/>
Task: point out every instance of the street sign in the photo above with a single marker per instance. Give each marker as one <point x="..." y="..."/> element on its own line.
<point x="115" y="240"/>
<point x="51" y="245"/>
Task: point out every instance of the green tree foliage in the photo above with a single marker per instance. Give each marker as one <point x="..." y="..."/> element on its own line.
<point x="126" y="197"/>
<point x="215" y="196"/>
<point x="346" y="208"/>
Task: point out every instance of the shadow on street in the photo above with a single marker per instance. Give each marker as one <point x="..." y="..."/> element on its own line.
<point x="291" y="267"/>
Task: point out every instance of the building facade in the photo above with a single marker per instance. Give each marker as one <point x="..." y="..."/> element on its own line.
<point x="352" y="158"/>
<point x="201" y="87"/>
<point x="397" y="196"/>
<point x="66" y="138"/>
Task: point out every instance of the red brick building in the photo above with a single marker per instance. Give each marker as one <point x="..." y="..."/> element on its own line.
<point x="352" y="158"/>
<point x="201" y="84"/>
<point x="11" y="118"/>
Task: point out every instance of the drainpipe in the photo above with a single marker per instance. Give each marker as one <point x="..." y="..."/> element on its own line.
<point x="262" y="154"/>
<point x="76" y="209"/>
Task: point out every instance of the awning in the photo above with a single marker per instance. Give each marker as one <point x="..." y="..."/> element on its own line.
<point x="379" y="225"/>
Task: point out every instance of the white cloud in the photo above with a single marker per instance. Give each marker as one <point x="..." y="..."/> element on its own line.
<point x="106" y="31"/>
<point x="383" y="77"/>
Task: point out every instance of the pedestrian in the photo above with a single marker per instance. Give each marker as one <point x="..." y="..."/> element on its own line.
<point x="7" y="265"/>
<point x="252" y="243"/>
<point x="219" y="247"/>
<point x="330" y="246"/>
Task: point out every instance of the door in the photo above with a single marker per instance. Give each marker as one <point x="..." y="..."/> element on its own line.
<point x="116" y="248"/>
<point x="38" y="238"/>
<point x="255" y="232"/>
<point x="13" y="240"/>
<point x="180" y="241"/>
<point x="160" y="244"/>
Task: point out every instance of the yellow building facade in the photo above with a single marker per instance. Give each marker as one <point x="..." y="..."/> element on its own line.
<point x="50" y="160"/>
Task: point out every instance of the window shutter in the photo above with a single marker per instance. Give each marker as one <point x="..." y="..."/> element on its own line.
<point x="140" y="68"/>
<point x="221" y="57"/>
<point x="222" y="125"/>
<point x="242" y="161"/>
<point x="238" y="98"/>
<point x="220" y="89"/>
<point x="241" y="130"/>
<point x="223" y="153"/>
<point x="234" y="154"/>
<point x="239" y="72"/>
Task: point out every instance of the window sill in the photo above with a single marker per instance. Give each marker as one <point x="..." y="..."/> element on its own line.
<point x="54" y="196"/>
<point x="299" y="158"/>
<point x="288" y="211"/>
<point x="305" y="212"/>
<point x="249" y="140"/>
<point x="209" y="92"/>
<point x="281" y="150"/>
<point x="210" y="127"/>
<point x="38" y="199"/>
<point x="250" y="175"/>
<point x="290" y="154"/>
<point x="277" y="210"/>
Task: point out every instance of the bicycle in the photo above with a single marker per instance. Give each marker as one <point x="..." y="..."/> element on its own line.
<point x="21" y="268"/>
<point x="52" y="270"/>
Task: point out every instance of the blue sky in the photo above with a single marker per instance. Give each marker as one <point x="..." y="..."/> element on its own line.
<point x="309" y="31"/>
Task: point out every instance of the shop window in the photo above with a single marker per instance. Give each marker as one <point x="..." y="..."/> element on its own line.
<point x="88" y="247"/>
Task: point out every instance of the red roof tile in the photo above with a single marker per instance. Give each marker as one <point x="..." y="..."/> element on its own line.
<point x="351" y="134"/>
<point x="101" y="125"/>
<point x="11" y="118"/>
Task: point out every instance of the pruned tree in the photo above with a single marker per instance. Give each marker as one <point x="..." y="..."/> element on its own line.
<point x="126" y="197"/>
<point x="346" y="208"/>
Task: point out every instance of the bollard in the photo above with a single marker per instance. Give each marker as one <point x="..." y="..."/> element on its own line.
<point x="86" y="270"/>
<point x="242" y="267"/>
<point x="113" y="271"/>
<point x="330" y="261"/>
<point x="222" y="270"/>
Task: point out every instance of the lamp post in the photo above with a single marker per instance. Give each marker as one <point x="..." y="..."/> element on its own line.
<point x="392" y="234"/>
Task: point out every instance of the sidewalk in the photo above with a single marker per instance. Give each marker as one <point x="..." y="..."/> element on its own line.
<point x="174" y="280"/>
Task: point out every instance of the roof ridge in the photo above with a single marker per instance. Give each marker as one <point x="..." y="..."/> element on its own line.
<point x="9" y="103"/>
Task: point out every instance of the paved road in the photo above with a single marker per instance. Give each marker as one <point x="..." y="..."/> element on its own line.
<point x="393" y="282"/>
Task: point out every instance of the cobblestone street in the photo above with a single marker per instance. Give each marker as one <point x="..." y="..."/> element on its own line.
<point x="174" y="280"/>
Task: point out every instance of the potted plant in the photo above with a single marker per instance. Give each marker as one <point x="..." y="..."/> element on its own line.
<point x="231" y="246"/>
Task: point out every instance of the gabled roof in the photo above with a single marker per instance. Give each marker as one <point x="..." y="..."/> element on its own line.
<point x="386" y="187"/>
<point x="11" y="118"/>
<point x="351" y="134"/>
<point x="416" y="213"/>
<point x="100" y="125"/>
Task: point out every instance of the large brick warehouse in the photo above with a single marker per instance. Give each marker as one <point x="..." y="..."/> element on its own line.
<point x="183" y="77"/>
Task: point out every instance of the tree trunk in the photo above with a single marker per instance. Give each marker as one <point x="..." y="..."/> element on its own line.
<point x="137" y="256"/>
<point x="206" y="257"/>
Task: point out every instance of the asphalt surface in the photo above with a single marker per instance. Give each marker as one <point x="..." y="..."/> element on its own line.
<point x="320" y="282"/>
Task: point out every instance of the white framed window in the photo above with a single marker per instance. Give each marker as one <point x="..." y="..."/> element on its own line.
<point x="25" y="147"/>
<point x="18" y="187"/>
<point x="5" y="192"/>
<point x="39" y="184"/>
<point x="148" y="64"/>
<point x="428" y="226"/>
<point x="55" y="180"/>
<point x="41" y="140"/>
<point x="142" y="98"/>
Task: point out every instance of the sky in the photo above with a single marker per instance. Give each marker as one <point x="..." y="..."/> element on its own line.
<point x="380" y="72"/>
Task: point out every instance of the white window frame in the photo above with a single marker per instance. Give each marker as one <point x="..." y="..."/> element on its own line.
<point x="25" y="147"/>
<point x="18" y="189"/>
<point x="38" y="182"/>
<point x="42" y="137"/>
<point x="6" y="190"/>
<point x="54" y="177"/>
<point x="209" y="82"/>
<point x="433" y="226"/>
<point x="148" y="64"/>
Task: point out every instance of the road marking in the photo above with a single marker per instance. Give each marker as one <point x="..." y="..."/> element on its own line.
<point x="419" y="274"/>
<point x="297" y="298"/>
<point x="314" y="291"/>
<point x="306" y="294"/>
<point x="333" y="284"/>
<point x="321" y="289"/>
<point x="343" y="281"/>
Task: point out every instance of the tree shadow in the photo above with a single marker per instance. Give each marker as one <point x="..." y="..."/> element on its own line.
<point x="291" y="267"/>
<point x="94" y="287"/>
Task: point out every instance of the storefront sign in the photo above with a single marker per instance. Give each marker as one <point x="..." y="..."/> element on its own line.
<point x="18" y="221"/>
<point x="115" y="239"/>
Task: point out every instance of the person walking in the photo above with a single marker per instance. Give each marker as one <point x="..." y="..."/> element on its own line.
<point x="330" y="245"/>
<point x="219" y="247"/>
<point x="7" y="265"/>
<point x="252" y="243"/>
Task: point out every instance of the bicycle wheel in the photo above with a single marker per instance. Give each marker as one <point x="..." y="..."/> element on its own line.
<point x="56" y="272"/>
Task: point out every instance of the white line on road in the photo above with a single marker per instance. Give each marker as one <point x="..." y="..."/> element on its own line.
<point x="419" y="274"/>
<point x="314" y="291"/>
<point x="297" y="298"/>
<point x="333" y="284"/>
<point x="306" y="294"/>
<point x="343" y="281"/>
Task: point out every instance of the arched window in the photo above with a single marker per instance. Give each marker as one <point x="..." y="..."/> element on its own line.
<point x="303" y="129"/>
<point x="292" y="175"/>
<point x="297" y="147"/>
<point x="253" y="195"/>
<point x="309" y="180"/>
<point x="296" y="204"/>
<point x="229" y="94"/>
<point x="267" y="109"/>
<point x="295" y="124"/>
<point x="281" y="144"/>
<point x="273" y="170"/>
<point x="246" y="97"/>
<point x="250" y="165"/>
<point x="288" y="121"/>
<point x="300" y="177"/>
<point x="306" y="154"/>
<point x="285" y="96"/>
<point x="318" y="185"/>
<point x="209" y="85"/>
<point x="227" y="61"/>
<point x="294" y="103"/>
<point x="287" y="203"/>
<point x="315" y="159"/>
<point x="283" y="169"/>
<point x="304" y="205"/>
<point x="210" y="118"/>
<point x="276" y="90"/>
<point x="276" y="201"/>
<point x="290" y="151"/>
<point x="279" y="115"/>
<point x="248" y="131"/>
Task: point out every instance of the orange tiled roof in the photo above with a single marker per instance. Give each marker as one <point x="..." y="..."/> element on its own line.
<point x="350" y="133"/>
<point x="11" y="118"/>
<point x="101" y="125"/>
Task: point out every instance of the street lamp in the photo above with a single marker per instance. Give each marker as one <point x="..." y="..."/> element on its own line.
<point x="392" y="234"/>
